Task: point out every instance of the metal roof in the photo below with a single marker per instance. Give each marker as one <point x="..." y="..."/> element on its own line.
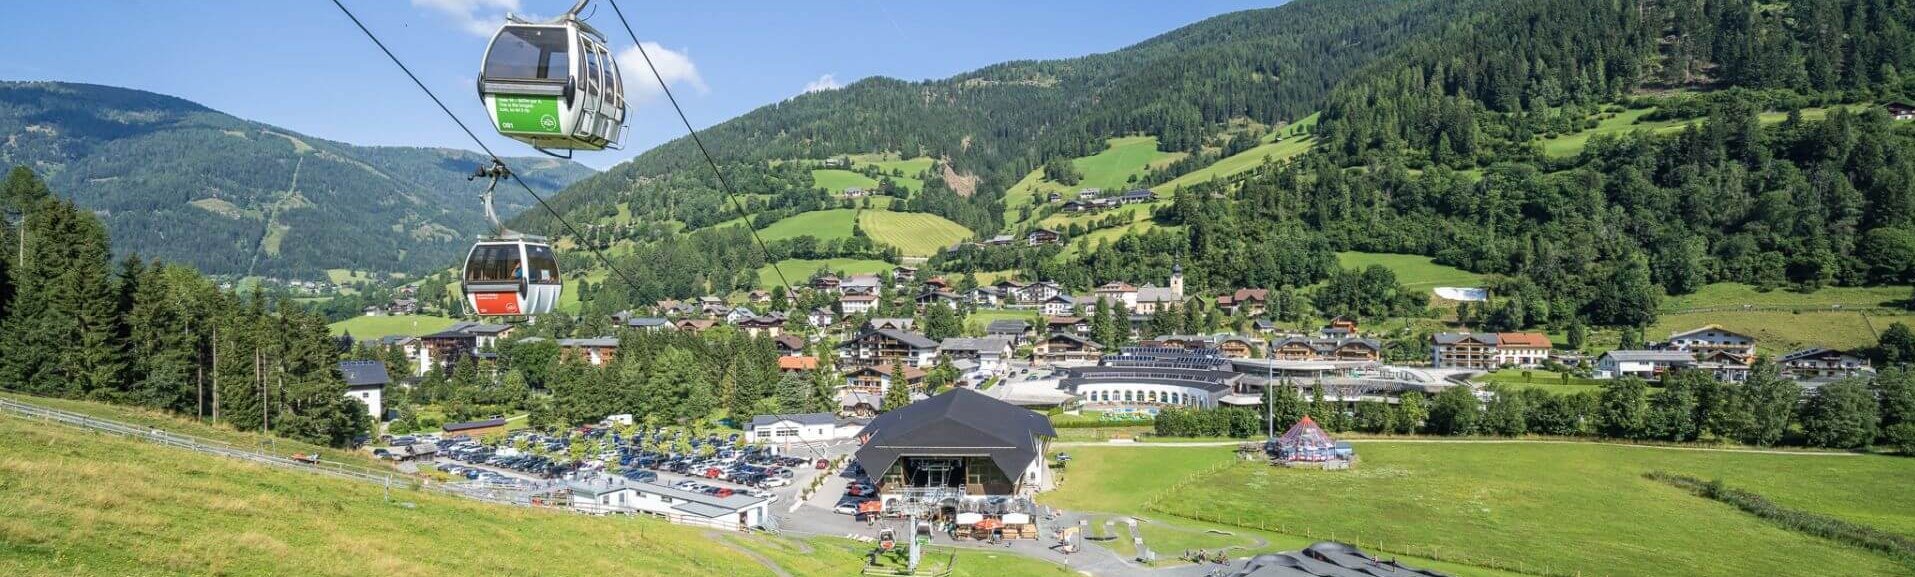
<point x="957" y="422"/>
<point x="1652" y="356"/>
<point x="365" y="373"/>
<point x="1008" y="326"/>
<point x="802" y="419"/>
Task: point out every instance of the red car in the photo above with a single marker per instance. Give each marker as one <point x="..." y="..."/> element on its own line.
<point x="823" y="464"/>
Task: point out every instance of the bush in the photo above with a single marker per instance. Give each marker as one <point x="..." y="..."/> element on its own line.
<point x="1902" y="437"/>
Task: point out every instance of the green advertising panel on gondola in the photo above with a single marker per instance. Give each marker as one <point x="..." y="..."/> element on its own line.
<point x="527" y="114"/>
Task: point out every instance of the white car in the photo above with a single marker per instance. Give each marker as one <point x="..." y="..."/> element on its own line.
<point x="845" y="509"/>
<point x="777" y="482"/>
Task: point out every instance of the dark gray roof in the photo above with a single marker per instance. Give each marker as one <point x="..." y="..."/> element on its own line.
<point x="647" y="322"/>
<point x="913" y="340"/>
<point x="591" y="342"/>
<point x="1453" y="338"/>
<point x="957" y="422"/>
<point x="1652" y="356"/>
<point x="802" y="419"/>
<point x="365" y="373"/>
<point x="971" y="344"/>
<point x="1327" y="559"/>
<point x="1008" y="326"/>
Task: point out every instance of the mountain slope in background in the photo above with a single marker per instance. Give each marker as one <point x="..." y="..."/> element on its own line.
<point x="178" y="181"/>
<point x="997" y="123"/>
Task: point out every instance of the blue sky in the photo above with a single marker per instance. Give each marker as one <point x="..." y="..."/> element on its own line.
<point x="301" y="65"/>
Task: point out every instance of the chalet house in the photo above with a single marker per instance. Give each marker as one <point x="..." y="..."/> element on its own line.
<point x="1247" y="301"/>
<point x="770" y="325"/>
<point x="1263" y="326"/>
<point x="1077" y="206"/>
<point x="373" y="311"/>
<point x="1823" y="364"/>
<point x="649" y="323"/>
<point x="937" y="282"/>
<point x="1066" y="324"/>
<point x="985" y="296"/>
<point x="863" y="284"/>
<point x="904" y="274"/>
<point x="1117" y="293"/>
<point x="1348" y="349"/>
<point x="1054" y="197"/>
<point x="694" y="326"/>
<point x="857" y="304"/>
<point x="1039" y="291"/>
<point x="1726" y="367"/>
<point x="597" y="352"/>
<point x="1137" y="196"/>
<point x="822" y="317"/>
<point x="758" y="297"/>
<point x="1043" y="236"/>
<point x="403" y="307"/>
<point x="1710" y="339"/>
<point x="990" y="353"/>
<point x="1900" y="110"/>
<point x="1642" y="364"/>
<point x="877" y="379"/>
<point x="1065" y="348"/>
<point x="1089" y="193"/>
<point x="367" y="381"/>
<point x="886" y="346"/>
<point x="1463" y="351"/>
<point x="1017" y="331"/>
<point x="465" y="339"/>
<point x="889" y="323"/>
<point x="1058" y="305"/>
<point x="788" y="345"/>
<point x="931" y="297"/>
<point x="739" y="315"/>
<point x="797" y="364"/>
<point x="826" y="283"/>
<point x="855" y="192"/>
<point x="1522" y="349"/>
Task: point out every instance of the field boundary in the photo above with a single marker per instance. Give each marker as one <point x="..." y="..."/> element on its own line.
<point x="1894" y="546"/>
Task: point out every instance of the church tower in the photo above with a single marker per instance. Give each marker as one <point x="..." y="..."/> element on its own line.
<point x="1177" y="279"/>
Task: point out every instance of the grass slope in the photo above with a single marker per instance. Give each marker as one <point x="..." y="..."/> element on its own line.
<point x="83" y="504"/>
<point x="1110" y="170"/>
<point x="1415" y="272"/>
<point x="797" y="270"/>
<point x="1240" y="162"/>
<point x="1779" y="332"/>
<point x="823" y="224"/>
<point x="411" y="325"/>
<point x="836" y="180"/>
<point x="1631" y="120"/>
<point x="914" y="233"/>
<point x="1737" y="295"/>
<point x="890" y="162"/>
<point x="1570" y="507"/>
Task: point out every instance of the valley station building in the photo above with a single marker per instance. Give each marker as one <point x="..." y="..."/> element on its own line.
<point x="960" y="451"/>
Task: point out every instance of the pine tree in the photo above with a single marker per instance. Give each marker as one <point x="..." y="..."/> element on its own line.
<point x="898" y="394"/>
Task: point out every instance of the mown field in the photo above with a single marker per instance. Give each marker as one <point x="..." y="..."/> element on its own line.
<point x="1631" y="120"/>
<point x="1238" y="163"/>
<point x="836" y="180"/>
<point x="797" y="270"/>
<point x="1563" y="508"/>
<point x="1414" y="272"/>
<point x="823" y="224"/>
<point x="914" y="233"/>
<point x="83" y="504"/>
<point x="1110" y="170"/>
<point x="364" y="328"/>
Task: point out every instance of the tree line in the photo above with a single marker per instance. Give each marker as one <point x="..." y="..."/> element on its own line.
<point x="155" y="335"/>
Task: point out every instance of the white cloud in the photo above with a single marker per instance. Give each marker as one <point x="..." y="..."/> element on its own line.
<point x="480" y="17"/>
<point x="674" y="66"/>
<point x="823" y="83"/>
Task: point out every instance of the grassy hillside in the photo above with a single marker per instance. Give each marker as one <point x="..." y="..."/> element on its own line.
<point x="890" y="162"/>
<point x="836" y="180"/>
<point x="1738" y="295"/>
<point x="1632" y="120"/>
<point x="1571" y="507"/>
<point x="1779" y="332"/>
<point x="914" y="233"/>
<point x="797" y="270"/>
<point x="83" y="504"/>
<point x="365" y="328"/>
<point x="824" y="224"/>
<point x="1415" y="272"/>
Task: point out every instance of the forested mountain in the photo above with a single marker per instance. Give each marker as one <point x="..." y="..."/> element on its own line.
<point x="999" y="122"/>
<point x="178" y="181"/>
<point x="1597" y="154"/>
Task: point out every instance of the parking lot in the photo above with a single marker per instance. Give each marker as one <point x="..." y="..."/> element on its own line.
<point x="713" y="464"/>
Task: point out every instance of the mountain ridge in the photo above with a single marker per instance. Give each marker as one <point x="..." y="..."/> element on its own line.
<point x="159" y="168"/>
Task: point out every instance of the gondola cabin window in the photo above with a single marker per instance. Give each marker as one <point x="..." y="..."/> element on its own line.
<point x="529" y="53"/>
<point x="498" y="263"/>
<point x="544" y="267"/>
